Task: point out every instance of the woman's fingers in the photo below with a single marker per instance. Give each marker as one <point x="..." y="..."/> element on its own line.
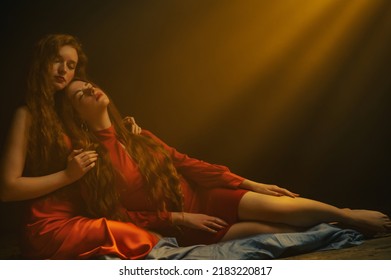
<point x="85" y="156"/>
<point x="129" y="120"/>
<point x="220" y="222"/>
<point x="289" y="193"/>
<point x="74" y="153"/>
<point x="90" y="166"/>
<point x="86" y="160"/>
<point x="203" y="222"/>
<point x="78" y="154"/>
<point x="89" y="163"/>
<point x="134" y="128"/>
<point x="137" y="130"/>
<point x="278" y="191"/>
<point x="213" y="224"/>
<point x="80" y="162"/>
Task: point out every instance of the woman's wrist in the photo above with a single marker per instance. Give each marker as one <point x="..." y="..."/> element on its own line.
<point x="247" y="184"/>
<point x="178" y="218"/>
<point x="68" y="178"/>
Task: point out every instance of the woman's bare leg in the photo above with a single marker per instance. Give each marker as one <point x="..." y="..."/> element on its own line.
<point x="302" y="212"/>
<point x="245" y="229"/>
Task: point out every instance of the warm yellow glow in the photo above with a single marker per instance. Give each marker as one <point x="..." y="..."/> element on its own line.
<point x="255" y="71"/>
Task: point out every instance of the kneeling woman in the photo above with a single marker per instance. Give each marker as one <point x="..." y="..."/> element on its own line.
<point x="141" y="180"/>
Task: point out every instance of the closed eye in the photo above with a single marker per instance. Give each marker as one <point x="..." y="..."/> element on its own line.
<point x="71" y="65"/>
<point x="85" y="91"/>
<point x="78" y="94"/>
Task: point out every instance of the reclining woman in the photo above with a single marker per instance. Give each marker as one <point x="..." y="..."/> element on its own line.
<point x="141" y="180"/>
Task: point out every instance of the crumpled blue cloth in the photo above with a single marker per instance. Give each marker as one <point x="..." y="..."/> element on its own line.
<point x="262" y="246"/>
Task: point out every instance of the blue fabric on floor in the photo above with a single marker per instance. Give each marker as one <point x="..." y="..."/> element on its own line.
<point x="262" y="246"/>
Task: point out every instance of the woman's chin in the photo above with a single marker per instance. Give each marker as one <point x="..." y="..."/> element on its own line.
<point x="59" y="86"/>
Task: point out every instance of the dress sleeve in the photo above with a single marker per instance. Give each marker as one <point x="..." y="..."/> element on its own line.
<point x="201" y="173"/>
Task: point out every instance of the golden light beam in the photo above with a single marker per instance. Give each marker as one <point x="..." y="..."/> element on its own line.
<point x="257" y="68"/>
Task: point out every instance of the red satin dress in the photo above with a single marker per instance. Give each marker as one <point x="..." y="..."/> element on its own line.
<point x="57" y="228"/>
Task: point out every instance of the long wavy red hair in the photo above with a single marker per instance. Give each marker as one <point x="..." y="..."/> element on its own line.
<point x="46" y="151"/>
<point x="155" y="164"/>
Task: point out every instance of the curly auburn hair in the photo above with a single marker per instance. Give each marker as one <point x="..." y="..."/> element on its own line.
<point x="46" y="151"/>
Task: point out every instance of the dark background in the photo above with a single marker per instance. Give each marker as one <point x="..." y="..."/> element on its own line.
<point x="295" y="93"/>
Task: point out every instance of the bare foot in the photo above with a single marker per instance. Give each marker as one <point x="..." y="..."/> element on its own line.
<point x="368" y="222"/>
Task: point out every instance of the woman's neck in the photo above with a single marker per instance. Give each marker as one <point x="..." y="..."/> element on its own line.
<point x="100" y="122"/>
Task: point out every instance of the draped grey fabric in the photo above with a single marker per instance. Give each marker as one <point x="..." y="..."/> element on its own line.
<point x="262" y="246"/>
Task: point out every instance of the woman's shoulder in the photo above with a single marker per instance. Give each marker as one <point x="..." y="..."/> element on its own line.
<point x="153" y="136"/>
<point x="149" y="134"/>
<point x="22" y="115"/>
<point x="23" y="111"/>
<point x="145" y="132"/>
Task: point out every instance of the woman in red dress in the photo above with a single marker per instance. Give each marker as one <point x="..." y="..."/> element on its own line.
<point x="140" y="181"/>
<point x="34" y="165"/>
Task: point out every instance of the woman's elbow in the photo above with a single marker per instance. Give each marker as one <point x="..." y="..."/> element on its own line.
<point x="4" y="197"/>
<point x="6" y="194"/>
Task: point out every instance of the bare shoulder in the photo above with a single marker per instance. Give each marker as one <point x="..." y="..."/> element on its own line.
<point x="21" y="122"/>
<point x="17" y="136"/>
<point x="22" y="112"/>
<point x="22" y="116"/>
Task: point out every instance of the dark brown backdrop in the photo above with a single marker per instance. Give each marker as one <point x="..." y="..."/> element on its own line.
<point x="295" y="93"/>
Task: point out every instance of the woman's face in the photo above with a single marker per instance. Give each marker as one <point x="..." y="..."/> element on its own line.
<point x="63" y="67"/>
<point x="88" y="101"/>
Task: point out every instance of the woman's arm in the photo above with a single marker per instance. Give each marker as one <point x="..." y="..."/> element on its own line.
<point x="212" y="175"/>
<point x="266" y="189"/>
<point x="16" y="187"/>
<point x="203" y="174"/>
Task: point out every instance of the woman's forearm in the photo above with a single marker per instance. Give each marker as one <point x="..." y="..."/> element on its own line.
<point x="14" y="186"/>
<point x="248" y="185"/>
<point x="24" y="188"/>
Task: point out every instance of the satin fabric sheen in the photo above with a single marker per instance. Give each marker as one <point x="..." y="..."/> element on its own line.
<point x="58" y="228"/>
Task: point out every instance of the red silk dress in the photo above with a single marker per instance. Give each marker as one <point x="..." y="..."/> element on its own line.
<point x="57" y="229"/>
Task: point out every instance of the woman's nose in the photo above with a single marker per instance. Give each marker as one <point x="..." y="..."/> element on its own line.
<point x="91" y="91"/>
<point x="62" y="69"/>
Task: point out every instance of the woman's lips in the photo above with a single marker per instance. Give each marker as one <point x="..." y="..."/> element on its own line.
<point x="59" y="79"/>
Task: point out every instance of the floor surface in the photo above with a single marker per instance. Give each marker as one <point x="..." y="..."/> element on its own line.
<point x="373" y="249"/>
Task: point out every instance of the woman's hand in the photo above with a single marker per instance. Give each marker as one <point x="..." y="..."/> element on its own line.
<point x="79" y="163"/>
<point x="134" y="128"/>
<point x="198" y="221"/>
<point x="267" y="189"/>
